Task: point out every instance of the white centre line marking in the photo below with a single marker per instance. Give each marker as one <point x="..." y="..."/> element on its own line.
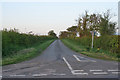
<point x="100" y="73"/>
<point x="95" y="70"/>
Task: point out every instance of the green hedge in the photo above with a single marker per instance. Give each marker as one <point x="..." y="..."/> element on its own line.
<point x="106" y="43"/>
<point x="12" y="41"/>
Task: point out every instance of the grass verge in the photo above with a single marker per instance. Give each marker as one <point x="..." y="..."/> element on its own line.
<point x="26" y="54"/>
<point x="99" y="54"/>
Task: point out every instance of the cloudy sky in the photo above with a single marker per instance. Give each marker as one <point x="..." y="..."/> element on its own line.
<point x="40" y="17"/>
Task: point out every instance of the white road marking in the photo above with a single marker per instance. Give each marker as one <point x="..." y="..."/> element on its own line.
<point x="77" y="70"/>
<point x="100" y="73"/>
<point x="87" y="60"/>
<point x="6" y="70"/>
<point x="95" y="70"/>
<point x="79" y="73"/>
<point x="113" y="70"/>
<point x="76" y="58"/>
<point x="39" y="75"/>
<point x="74" y="71"/>
<point x="17" y="75"/>
<point x="69" y="66"/>
<point x="59" y="74"/>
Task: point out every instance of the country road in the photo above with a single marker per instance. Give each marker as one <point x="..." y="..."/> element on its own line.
<point x="58" y="61"/>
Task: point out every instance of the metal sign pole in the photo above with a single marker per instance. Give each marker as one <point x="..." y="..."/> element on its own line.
<point x="92" y="38"/>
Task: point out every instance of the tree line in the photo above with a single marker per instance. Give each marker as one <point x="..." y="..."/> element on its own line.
<point x="100" y="23"/>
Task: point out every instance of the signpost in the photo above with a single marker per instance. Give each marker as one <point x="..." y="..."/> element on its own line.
<point x="93" y="33"/>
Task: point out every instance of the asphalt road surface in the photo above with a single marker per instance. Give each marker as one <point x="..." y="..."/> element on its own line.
<point x="58" y="61"/>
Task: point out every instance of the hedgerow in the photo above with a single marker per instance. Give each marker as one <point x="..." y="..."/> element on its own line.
<point x="109" y="43"/>
<point x="12" y="41"/>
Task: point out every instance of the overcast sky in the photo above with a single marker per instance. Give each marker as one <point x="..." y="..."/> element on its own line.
<point x="41" y="17"/>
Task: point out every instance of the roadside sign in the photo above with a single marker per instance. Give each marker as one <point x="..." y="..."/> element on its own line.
<point x="93" y="34"/>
